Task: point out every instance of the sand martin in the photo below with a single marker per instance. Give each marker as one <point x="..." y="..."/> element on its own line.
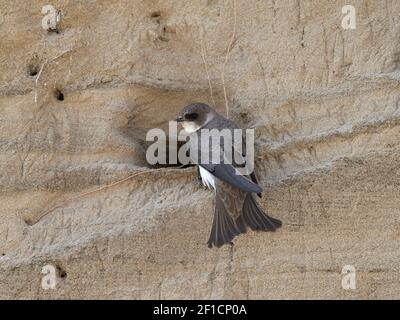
<point x="236" y="207"/>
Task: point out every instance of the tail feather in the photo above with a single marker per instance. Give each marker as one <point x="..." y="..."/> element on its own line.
<point x="225" y="228"/>
<point x="255" y="217"/>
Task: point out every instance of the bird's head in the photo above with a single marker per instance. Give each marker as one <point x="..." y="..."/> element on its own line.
<point x="194" y="116"/>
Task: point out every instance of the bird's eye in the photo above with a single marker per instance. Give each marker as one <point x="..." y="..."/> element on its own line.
<point x="191" y="116"/>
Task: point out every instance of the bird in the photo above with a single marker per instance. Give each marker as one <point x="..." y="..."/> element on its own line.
<point x="236" y="208"/>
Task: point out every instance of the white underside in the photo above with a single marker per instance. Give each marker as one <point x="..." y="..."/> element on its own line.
<point x="207" y="178"/>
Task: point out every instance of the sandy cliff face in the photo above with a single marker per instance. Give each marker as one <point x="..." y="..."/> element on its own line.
<point x="75" y="106"/>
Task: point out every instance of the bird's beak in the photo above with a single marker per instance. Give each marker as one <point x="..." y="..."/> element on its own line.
<point x="179" y="119"/>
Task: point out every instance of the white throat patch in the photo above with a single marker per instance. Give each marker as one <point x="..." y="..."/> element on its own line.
<point x="190" y="127"/>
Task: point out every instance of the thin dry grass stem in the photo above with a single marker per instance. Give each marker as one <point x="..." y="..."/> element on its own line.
<point x="228" y="50"/>
<point x="88" y="193"/>
<point x="203" y="55"/>
<point x="37" y="81"/>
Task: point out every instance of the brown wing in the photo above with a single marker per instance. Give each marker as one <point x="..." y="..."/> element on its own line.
<point x="230" y="197"/>
<point x="235" y="210"/>
<point x="228" y="208"/>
